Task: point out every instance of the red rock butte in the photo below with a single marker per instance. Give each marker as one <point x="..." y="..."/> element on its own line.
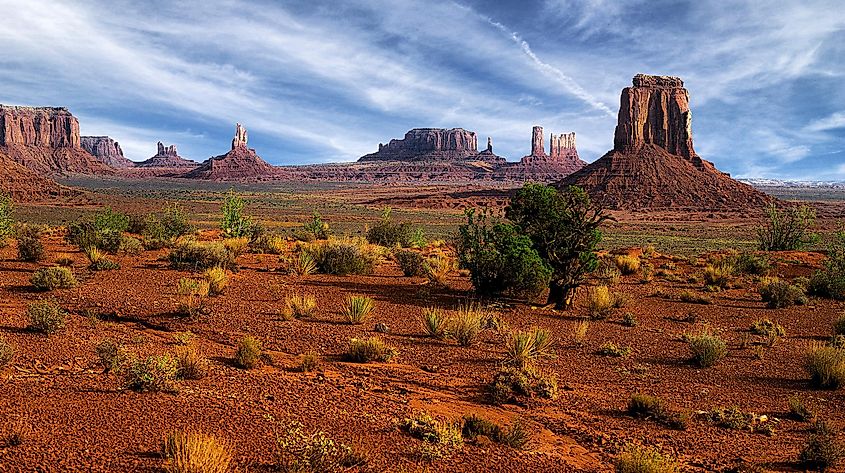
<point x="240" y="163"/>
<point x="653" y="164"/>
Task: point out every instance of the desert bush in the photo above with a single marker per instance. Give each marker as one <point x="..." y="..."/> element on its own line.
<point x="768" y="329"/>
<point x="299" y="306"/>
<point x="579" y="332"/>
<point x="192" y="365"/>
<point x="46" y="316"/>
<point x="437" y="267"/>
<point x="390" y="233"/>
<point x="707" y="348"/>
<point x="778" y="294"/>
<point x="183" y="338"/>
<point x="440" y="432"/>
<point x="694" y="298"/>
<point x="301" y="264"/>
<point x="614" y="350"/>
<point x="342" y="257"/>
<point x="154" y="373"/>
<point x="130" y="245"/>
<point x="358" y="309"/>
<point x="199" y="256"/>
<point x="600" y="302"/>
<point x="7" y="352"/>
<point x="412" y="263"/>
<point x="523" y="349"/>
<point x="627" y="264"/>
<point x="189" y="452"/>
<point x="112" y="356"/>
<point x="301" y="452"/>
<point x="234" y="223"/>
<point x="513" y="384"/>
<point x="30" y="247"/>
<point x="645" y="406"/>
<point x="636" y="459"/>
<point x="435" y="323"/>
<point x="732" y="418"/>
<point x="825" y="365"/>
<point x="317" y="228"/>
<point x="823" y="450"/>
<point x="719" y="274"/>
<point x="465" y="325"/>
<point x="799" y="410"/>
<point x="104" y="231"/>
<point x="98" y="261"/>
<point x="830" y="282"/>
<point x="786" y="229"/>
<point x="248" y="353"/>
<point x="365" y="350"/>
<point x="267" y="243"/>
<point x="515" y="436"/>
<point x="217" y="280"/>
<point x="192" y="295"/>
<point x="55" y="277"/>
<point x="64" y="260"/>
<point x="7" y="218"/>
<point x="309" y="362"/>
<point x="501" y="261"/>
<point x="607" y="272"/>
<point x="839" y="325"/>
<point x="629" y="320"/>
<point x="749" y="263"/>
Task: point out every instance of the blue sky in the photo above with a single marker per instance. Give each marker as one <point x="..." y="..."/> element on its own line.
<point x="327" y="81"/>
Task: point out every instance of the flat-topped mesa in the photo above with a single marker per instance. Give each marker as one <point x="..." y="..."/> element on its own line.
<point x="241" y="138"/>
<point x="655" y="111"/>
<point x="428" y="143"/>
<point x="53" y="127"/>
<point x="106" y="150"/>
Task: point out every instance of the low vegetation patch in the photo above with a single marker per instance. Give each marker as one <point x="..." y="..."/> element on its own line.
<point x="636" y="459"/>
<point x="694" y="298"/>
<point x="645" y="406"/>
<point x="707" y="348"/>
<point x="601" y="302"/>
<point x="248" y="353"/>
<point x="627" y="264"/>
<point x="465" y="325"/>
<point x="314" y="452"/>
<point x="309" y="362"/>
<point x="779" y="294"/>
<point x="113" y="357"/>
<point x="614" y="350"/>
<point x="786" y="229"/>
<point x="98" y="260"/>
<point x="515" y="385"/>
<point x="54" y="277"/>
<point x="435" y="323"/>
<point x="366" y="350"/>
<point x="217" y="280"/>
<point x="7" y="352"/>
<point x="523" y="349"/>
<point x="358" y="309"/>
<point x="30" y="247"/>
<point x="199" y="256"/>
<point x="823" y="450"/>
<point x="154" y="373"/>
<point x="192" y="295"/>
<point x="579" y="332"/>
<point x="341" y="257"/>
<point x="191" y="452"/>
<point x="799" y="410"/>
<point x="412" y="263"/>
<point x="46" y="316"/>
<point x="300" y="306"/>
<point x="192" y="365"/>
<point x="514" y="436"/>
<point x="825" y="365"/>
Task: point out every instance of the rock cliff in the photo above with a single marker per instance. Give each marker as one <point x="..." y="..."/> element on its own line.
<point x="423" y="144"/>
<point x="106" y="150"/>
<point x="653" y="164"/>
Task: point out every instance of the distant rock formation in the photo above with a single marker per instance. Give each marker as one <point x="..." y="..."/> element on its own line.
<point x="26" y="185"/>
<point x="561" y="160"/>
<point x="167" y="157"/>
<point x="653" y="164"/>
<point x="538" y="148"/>
<point x="240" y="163"/>
<point x="106" y="150"/>
<point x="46" y="140"/>
<point x="562" y="145"/>
<point x="426" y="144"/>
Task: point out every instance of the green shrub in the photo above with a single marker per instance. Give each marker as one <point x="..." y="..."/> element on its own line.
<point x="500" y="260"/>
<point x="300" y="452"/>
<point x="514" y="384"/>
<point x="103" y="231"/>
<point x="112" y="356"/>
<point x="823" y="451"/>
<point x="342" y="258"/>
<point x="234" y="223"/>
<point x="358" y="309"/>
<point x="154" y="373"/>
<point x="30" y="247"/>
<point x="190" y="452"/>
<point x="515" y="436"/>
<point x="54" y="277"/>
<point x="389" y="233"/>
<point x="7" y="219"/>
<point x="130" y="245"/>
<point x="523" y="349"/>
<point x="7" y="352"/>
<point x="411" y="262"/>
<point x="192" y="365"/>
<point x="719" y="274"/>
<point x="98" y="260"/>
<point x="168" y="226"/>
<point x="200" y="256"/>
<point x="779" y="294"/>
<point x="825" y="365"/>
<point x="767" y="328"/>
<point x="317" y="228"/>
<point x="707" y="349"/>
<point x="429" y="429"/>
<point x="786" y="229"/>
<point x="46" y="316"/>
<point x="435" y="323"/>
<point x="830" y="282"/>
<point x="248" y="353"/>
<point x="369" y="349"/>
<point x="749" y="263"/>
<point x="635" y="459"/>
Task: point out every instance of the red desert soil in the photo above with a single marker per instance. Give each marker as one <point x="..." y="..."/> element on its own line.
<point x="80" y="419"/>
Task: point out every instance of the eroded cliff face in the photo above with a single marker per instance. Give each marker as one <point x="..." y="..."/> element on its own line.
<point x="428" y="143"/>
<point x="106" y="150"/>
<point x="655" y="111"/>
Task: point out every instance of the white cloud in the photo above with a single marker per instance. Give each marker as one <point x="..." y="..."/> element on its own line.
<point x="831" y="122"/>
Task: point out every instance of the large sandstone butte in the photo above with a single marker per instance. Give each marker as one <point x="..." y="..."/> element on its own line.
<point x="46" y="140"/>
<point x="167" y="157"/>
<point x="653" y="164"/>
<point x="240" y="163"/>
<point x="106" y="150"/>
<point x="433" y="144"/>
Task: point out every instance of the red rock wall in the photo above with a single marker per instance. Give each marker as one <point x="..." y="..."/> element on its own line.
<point x="53" y="127"/>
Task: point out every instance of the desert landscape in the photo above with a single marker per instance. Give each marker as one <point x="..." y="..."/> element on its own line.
<point x="431" y="306"/>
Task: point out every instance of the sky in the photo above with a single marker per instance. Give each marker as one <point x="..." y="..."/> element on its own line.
<point x="327" y="81"/>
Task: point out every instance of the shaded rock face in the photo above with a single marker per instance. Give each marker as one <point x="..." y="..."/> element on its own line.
<point x="428" y="143"/>
<point x="653" y="165"/>
<point x="26" y="185"/>
<point x="106" y="150"/>
<point x="655" y="111"/>
<point x="46" y="140"/>
<point x="240" y="163"/>
<point x="561" y="160"/>
<point x="167" y="157"/>
<point x="562" y="145"/>
<point x="538" y="148"/>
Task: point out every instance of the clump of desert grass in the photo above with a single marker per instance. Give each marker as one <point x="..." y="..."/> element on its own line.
<point x="515" y="435"/>
<point x="192" y="452"/>
<point x="825" y="365"/>
<point x="366" y="350"/>
<point x="248" y="352"/>
<point x="192" y="364"/>
<point x="309" y="362"/>
<point x="298" y="306"/>
<point x="217" y="280"/>
<point x="435" y="323"/>
<point x="579" y="332"/>
<point x="7" y="352"/>
<point x="152" y="374"/>
<point x="54" y="277"/>
<point x="524" y="348"/>
<point x="46" y="316"/>
<point x="192" y="295"/>
<point x="637" y="459"/>
<point x="707" y="348"/>
<point x="601" y="302"/>
<point x="98" y="260"/>
<point x="358" y="309"/>
<point x="627" y="264"/>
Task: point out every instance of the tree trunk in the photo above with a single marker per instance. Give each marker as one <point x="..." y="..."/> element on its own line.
<point x="560" y="295"/>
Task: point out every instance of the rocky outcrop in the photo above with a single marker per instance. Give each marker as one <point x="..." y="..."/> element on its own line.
<point x="25" y="185"/>
<point x="562" y="159"/>
<point x="106" y="150"/>
<point x="424" y="144"/>
<point x="46" y="140"/>
<point x="562" y="145"/>
<point x="653" y="164"/>
<point x="167" y="157"/>
<point x="538" y="148"/>
<point x="240" y="163"/>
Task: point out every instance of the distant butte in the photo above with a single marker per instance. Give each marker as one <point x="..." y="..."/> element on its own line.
<point x="240" y="163"/>
<point x="653" y="164"/>
<point x="167" y="157"/>
<point x="106" y="150"/>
